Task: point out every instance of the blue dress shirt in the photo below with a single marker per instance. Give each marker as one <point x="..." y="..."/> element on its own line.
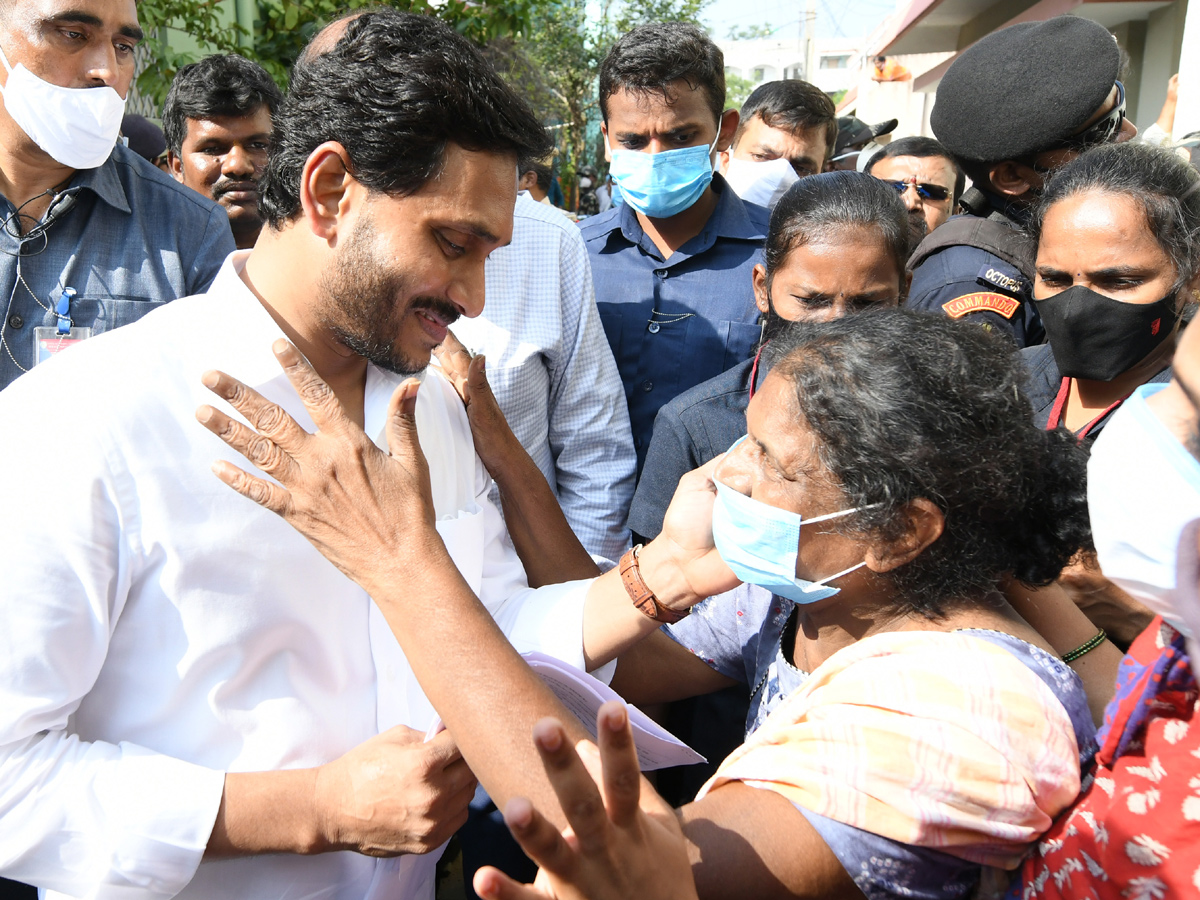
<point x="133" y="240"/>
<point x="677" y="322"/>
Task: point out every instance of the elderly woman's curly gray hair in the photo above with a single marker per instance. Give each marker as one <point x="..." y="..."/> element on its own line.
<point x="905" y="405"/>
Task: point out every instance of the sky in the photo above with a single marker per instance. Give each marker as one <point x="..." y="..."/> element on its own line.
<point x="835" y="18"/>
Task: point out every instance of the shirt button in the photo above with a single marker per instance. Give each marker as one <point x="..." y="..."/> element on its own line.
<point x="661" y="273"/>
<point x="647" y="386"/>
<point x="653" y="327"/>
<point x="15" y="321"/>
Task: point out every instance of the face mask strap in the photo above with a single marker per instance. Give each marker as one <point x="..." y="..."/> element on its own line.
<point x="824" y="582"/>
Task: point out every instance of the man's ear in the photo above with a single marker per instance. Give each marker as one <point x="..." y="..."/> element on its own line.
<point x="728" y="128"/>
<point x="723" y="160"/>
<point x="327" y="190"/>
<point x="607" y="148"/>
<point x="1014" y="179"/>
<point x="925" y="525"/>
<point x="758" y="278"/>
<point x="175" y="166"/>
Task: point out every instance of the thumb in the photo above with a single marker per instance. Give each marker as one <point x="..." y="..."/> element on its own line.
<point x="477" y="382"/>
<point x="402" y="420"/>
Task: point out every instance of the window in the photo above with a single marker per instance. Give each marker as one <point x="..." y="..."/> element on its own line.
<point x="760" y="73"/>
<point x="835" y="62"/>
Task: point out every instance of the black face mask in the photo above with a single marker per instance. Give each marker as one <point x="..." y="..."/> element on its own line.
<point x="1097" y="338"/>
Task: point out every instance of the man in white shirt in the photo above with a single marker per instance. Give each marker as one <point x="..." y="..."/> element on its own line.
<point x="553" y="373"/>
<point x="194" y="702"/>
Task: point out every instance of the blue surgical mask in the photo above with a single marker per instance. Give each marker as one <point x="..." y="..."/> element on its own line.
<point x="761" y="543"/>
<point x="661" y="185"/>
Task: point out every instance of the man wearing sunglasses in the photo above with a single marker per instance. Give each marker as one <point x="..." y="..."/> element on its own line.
<point x="1008" y="127"/>
<point x="927" y="178"/>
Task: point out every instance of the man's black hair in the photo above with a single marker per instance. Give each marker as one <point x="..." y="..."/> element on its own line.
<point x="394" y="90"/>
<point x="921" y="147"/>
<point x="649" y="59"/>
<point x="792" y="105"/>
<point x="219" y="85"/>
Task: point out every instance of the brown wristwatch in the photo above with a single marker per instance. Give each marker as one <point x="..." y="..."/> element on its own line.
<point x="641" y="595"/>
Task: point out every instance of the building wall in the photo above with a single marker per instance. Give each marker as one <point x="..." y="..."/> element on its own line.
<point x="771" y="59"/>
<point x="1164" y="42"/>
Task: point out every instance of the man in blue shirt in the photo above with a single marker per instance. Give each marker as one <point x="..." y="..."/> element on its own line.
<point x="672" y="264"/>
<point x="79" y="211"/>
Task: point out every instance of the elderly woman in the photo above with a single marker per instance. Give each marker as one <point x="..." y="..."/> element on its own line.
<point x="922" y="732"/>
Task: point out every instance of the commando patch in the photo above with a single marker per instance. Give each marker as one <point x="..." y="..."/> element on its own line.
<point x="981" y="302"/>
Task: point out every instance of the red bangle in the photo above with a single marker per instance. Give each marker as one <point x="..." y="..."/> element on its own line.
<point x="639" y="592"/>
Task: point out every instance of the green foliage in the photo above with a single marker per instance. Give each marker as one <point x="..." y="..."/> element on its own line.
<point x="206" y="20"/>
<point x="750" y="33"/>
<point x="284" y="27"/>
<point x="737" y="90"/>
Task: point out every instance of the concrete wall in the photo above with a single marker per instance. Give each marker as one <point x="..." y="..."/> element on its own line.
<point x="1164" y="42"/>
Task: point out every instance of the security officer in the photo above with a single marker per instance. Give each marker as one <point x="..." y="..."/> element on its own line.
<point x="1008" y="126"/>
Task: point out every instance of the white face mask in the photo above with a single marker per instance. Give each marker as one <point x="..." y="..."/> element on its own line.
<point x="77" y="127"/>
<point x="760" y="182"/>
<point x="1143" y="487"/>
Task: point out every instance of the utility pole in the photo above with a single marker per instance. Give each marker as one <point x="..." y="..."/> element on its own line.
<point x="810" y="41"/>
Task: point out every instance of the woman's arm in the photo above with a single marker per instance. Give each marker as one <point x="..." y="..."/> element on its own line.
<point x="659" y="670"/>
<point x="550" y="552"/>
<point x="740" y="841"/>
<point x="1064" y="626"/>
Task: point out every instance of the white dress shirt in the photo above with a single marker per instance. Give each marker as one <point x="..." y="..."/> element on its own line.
<point x="157" y="629"/>
<point x="553" y="373"/>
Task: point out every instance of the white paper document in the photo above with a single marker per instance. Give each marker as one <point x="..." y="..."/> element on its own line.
<point x="583" y="695"/>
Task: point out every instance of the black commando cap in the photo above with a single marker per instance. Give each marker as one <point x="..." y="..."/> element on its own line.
<point x="1025" y="88"/>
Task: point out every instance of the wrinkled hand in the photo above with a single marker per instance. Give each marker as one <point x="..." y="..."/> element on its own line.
<point x="493" y="437"/>
<point x="394" y="794"/>
<point x="354" y="503"/>
<point x="623" y="839"/>
<point x="686" y="540"/>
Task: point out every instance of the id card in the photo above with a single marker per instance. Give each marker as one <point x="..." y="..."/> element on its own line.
<point x="47" y="341"/>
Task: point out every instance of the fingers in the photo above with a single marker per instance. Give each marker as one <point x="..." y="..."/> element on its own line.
<point x="262" y="452"/>
<point x="477" y="376"/>
<point x="271" y="496"/>
<point x="320" y="401"/>
<point x="621" y="773"/>
<point x="538" y="837"/>
<point x="577" y="792"/>
<point x="402" y="423"/>
<point x="442" y="750"/>
<point x="492" y="884"/>
<point x="267" y="418"/>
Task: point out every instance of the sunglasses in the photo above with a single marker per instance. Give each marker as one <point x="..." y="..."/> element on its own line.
<point x="924" y="191"/>
<point x="1103" y="131"/>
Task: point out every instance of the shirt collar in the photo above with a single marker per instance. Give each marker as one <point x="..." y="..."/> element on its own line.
<point x="104" y="182"/>
<point x="729" y="219"/>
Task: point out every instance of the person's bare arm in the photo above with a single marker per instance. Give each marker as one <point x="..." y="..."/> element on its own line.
<point x="1105" y="604"/>
<point x="371" y="514"/>
<point x="548" y="548"/>
<point x="658" y="670"/>
<point x="1166" y="117"/>
<point x="392" y="794"/>
<point x="1064" y="626"/>
<point x="739" y="841"/>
